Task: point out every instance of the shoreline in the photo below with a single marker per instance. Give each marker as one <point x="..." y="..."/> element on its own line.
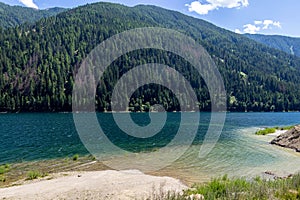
<point x="83" y="178"/>
<point x="108" y="184"/>
<point x="272" y="136"/>
<point x="86" y="169"/>
<point x="19" y="170"/>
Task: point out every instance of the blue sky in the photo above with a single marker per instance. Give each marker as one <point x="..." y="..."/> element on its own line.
<point x="242" y="16"/>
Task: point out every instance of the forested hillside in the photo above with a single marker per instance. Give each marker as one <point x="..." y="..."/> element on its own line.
<point x="287" y="44"/>
<point x="11" y="16"/>
<point x="38" y="62"/>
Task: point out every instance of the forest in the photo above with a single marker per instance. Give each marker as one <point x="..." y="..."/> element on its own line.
<point x="39" y="61"/>
<point x="284" y="43"/>
<point x="11" y="16"/>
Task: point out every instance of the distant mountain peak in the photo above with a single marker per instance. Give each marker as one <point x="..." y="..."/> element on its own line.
<point x="287" y="44"/>
<point x="15" y="15"/>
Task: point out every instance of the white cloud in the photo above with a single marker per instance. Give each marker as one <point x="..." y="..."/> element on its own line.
<point x="29" y="3"/>
<point x="277" y="24"/>
<point x="199" y="8"/>
<point x="250" y="28"/>
<point x="203" y="9"/>
<point x="259" y="25"/>
<point x="258" y="22"/>
<point x="229" y="3"/>
<point x="238" y="31"/>
<point x="269" y="23"/>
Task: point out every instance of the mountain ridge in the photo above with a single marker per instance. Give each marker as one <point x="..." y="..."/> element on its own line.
<point x="11" y="16"/>
<point x="257" y="78"/>
<point x="287" y="44"/>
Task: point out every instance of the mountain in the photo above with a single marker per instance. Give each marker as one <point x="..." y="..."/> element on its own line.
<point x="287" y="44"/>
<point x="11" y="16"/>
<point x="38" y="62"/>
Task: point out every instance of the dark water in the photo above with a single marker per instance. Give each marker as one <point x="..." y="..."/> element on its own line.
<point x="37" y="136"/>
<point x="34" y="136"/>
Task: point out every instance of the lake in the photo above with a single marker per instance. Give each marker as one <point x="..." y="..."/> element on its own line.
<point x="239" y="152"/>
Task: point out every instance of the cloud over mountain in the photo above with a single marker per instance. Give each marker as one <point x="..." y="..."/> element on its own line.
<point x="210" y="5"/>
<point x="29" y="3"/>
<point x="259" y="25"/>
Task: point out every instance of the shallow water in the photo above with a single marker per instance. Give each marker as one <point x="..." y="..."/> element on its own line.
<point x="35" y="136"/>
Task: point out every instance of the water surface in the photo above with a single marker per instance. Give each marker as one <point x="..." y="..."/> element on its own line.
<point x="36" y="136"/>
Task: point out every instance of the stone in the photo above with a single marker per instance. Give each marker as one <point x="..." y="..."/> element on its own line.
<point x="289" y="139"/>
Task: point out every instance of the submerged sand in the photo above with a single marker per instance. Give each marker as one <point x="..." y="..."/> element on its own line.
<point x="109" y="184"/>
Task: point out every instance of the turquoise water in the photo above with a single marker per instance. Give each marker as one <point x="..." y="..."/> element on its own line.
<point x="35" y="136"/>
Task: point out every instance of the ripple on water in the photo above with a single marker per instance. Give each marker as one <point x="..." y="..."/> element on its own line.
<point x="238" y="153"/>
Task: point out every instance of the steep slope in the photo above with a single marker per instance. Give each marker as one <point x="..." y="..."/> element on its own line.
<point x="11" y="16"/>
<point x="38" y="62"/>
<point x="287" y="44"/>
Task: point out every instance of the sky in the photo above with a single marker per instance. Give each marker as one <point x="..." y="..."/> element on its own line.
<point x="271" y="17"/>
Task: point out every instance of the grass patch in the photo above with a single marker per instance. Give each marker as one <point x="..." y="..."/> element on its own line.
<point x="19" y="171"/>
<point x="4" y="168"/>
<point x="31" y="175"/>
<point x="285" y="128"/>
<point x="2" y="178"/>
<point x="240" y="188"/>
<point x="93" y="158"/>
<point x="266" y="131"/>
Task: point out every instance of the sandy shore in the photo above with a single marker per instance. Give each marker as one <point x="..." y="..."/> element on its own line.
<point x="110" y="184"/>
<point x="277" y="133"/>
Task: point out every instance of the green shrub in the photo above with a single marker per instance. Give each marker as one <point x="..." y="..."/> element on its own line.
<point x="31" y="175"/>
<point x="75" y="157"/>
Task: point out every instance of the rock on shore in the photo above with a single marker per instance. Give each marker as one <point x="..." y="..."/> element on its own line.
<point x="289" y="139"/>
